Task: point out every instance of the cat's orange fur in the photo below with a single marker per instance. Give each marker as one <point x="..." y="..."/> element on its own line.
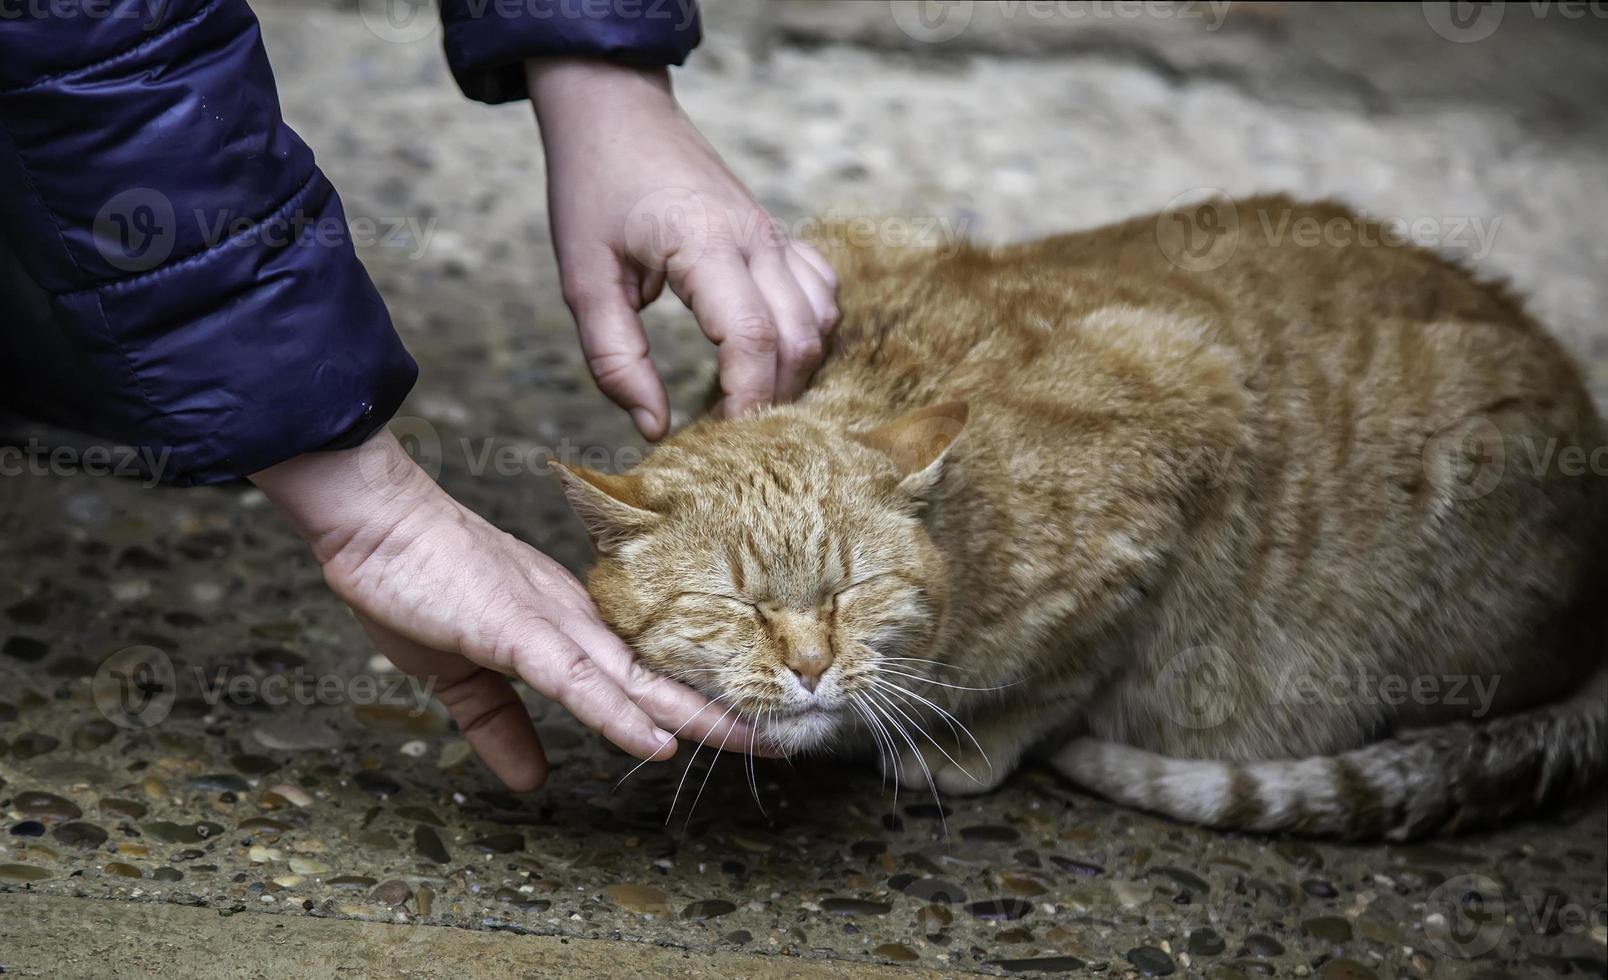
<point x="1121" y="510"/>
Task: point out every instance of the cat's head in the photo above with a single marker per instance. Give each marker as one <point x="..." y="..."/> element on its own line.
<point x="776" y="562"/>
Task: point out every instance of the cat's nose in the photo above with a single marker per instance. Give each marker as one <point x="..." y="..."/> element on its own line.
<point x="809" y="664"/>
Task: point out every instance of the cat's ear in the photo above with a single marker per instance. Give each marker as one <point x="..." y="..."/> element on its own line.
<point x="614" y="507"/>
<point x="917" y="442"/>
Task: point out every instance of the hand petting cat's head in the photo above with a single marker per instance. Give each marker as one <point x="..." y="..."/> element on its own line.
<point x="778" y="565"/>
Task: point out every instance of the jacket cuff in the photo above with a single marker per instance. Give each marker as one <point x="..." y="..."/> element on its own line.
<point x="487" y="41"/>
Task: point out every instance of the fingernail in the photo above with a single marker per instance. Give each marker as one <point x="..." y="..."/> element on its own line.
<point x="645" y="421"/>
<point x="662" y="737"/>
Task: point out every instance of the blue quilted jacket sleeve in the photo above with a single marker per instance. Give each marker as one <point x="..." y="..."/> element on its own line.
<point x="486" y="40"/>
<point x="178" y="273"/>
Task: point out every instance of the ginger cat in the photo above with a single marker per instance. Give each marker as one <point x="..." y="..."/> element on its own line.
<point x="1313" y="541"/>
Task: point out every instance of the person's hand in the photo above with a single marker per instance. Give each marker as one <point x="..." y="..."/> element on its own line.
<point x="452" y="600"/>
<point x="639" y="198"/>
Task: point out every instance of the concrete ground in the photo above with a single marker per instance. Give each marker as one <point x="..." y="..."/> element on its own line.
<point x="287" y="817"/>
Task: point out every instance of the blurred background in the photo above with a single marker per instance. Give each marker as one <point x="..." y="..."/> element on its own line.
<point x="1481" y="128"/>
<point x="1479" y="124"/>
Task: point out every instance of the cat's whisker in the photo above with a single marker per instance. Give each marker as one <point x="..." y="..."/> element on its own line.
<point x="922" y="660"/>
<point x="893" y="751"/>
<point x="882" y="759"/>
<point x="920" y="760"/>
<point x="688" y="771"/>
<point x="703" y="785"/>
<point x="753" y="780"/>
<point x="949" y="719"/>
<point x="639" y="765"/>
<point x="906" y="694"/>
<point x="956" y="687"/>
<point x="856" y="709"/>
<point x="893" y="756"/>
<point x="928" y="736"/>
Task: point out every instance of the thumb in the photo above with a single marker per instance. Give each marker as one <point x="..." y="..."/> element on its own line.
<point x="616" y="352"/>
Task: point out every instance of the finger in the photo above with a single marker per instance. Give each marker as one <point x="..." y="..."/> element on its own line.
<point x="821" y="296"/>
<point x="817" y="261"/>
<point x="561" y="671"/>
<point x="676" y="707"/>
<point x="798" y="330"/>
<point x="732" y="312"/>
<point x="494" y="721"/>
<point x="652" y="286"/>
<point x="616" y="352"/>
<point x="484" y="704"/>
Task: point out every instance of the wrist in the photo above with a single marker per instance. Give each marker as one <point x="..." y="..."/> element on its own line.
<point x="564" y="89"/>
<point x="334" y="498"/>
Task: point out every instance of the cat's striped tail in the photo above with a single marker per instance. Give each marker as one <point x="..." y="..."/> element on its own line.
<point x="1447" y="779"/>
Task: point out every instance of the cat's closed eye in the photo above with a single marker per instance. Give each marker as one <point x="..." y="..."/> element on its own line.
<point x="862" y="582"/>
<point x="730" y="600"/>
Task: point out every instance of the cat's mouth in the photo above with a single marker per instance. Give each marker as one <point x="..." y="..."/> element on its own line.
<point x="801" y="729"/>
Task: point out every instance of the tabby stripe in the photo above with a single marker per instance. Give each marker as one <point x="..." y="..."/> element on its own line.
<point x="1358" y="798"/>
<point x="1242" y="806"/>
<point x="739" y="574"/>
